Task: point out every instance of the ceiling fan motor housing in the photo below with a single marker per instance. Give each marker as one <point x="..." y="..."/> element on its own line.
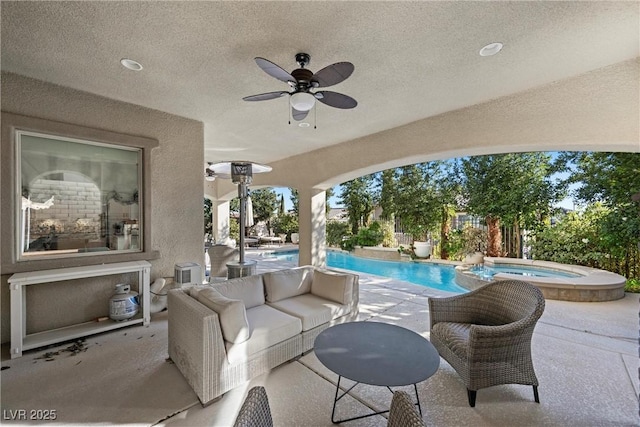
<point x="303" y="77"/>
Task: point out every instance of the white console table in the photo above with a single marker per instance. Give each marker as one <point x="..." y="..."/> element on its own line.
<point x="20" y="341"/>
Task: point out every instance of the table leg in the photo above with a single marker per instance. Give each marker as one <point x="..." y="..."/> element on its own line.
<point x="415" y="387"/>
<point x="336" y="398"/>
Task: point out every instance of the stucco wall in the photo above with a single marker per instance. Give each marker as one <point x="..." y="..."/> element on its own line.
<point x="176" y="183"/>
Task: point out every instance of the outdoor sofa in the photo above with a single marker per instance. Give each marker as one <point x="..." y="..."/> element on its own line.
<point x="225" y="334"/>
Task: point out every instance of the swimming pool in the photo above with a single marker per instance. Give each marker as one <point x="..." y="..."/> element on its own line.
<point x="436" y="276"/>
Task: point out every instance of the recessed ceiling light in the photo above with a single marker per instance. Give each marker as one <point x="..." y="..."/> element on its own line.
<point x="131" y="64"/>
<point x="304" y="125"/>
<point x="491" y="49"/>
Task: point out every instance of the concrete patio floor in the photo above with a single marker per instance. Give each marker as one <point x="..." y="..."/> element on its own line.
<point x="585" y="354"/>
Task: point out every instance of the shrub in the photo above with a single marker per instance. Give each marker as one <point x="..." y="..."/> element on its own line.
<point x="285" y="224"/>
<point x="336" y="232"/>
<point x="633" y="285"/>
<point x="371" y="236"/>
<point x="388" y="236"/>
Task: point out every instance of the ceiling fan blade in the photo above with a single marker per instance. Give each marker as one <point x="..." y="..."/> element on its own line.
<point x="265" y="96"/>
<point x="333" y="74"/>
<point x="274" y="70"/>
<point x="335" y="99"/>
<point x="298" y="115"/>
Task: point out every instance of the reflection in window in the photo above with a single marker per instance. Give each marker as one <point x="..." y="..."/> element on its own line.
<point x="77" y="196"/>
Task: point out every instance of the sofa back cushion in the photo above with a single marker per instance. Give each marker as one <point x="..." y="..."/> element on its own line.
<point x="289" y="283"/>
<point x="231" y="312"/>
<point x="333" y="286"/>
<point x="249" y="289"/>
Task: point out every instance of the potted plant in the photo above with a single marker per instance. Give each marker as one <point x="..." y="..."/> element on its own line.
<point x="421" y="245"/>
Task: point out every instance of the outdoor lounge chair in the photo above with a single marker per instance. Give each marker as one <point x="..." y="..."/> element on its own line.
<point x="255" y="410"/>
<point x="219" y="256"/>
<point x="403" y="412"/>
<point x="485" y="335"/>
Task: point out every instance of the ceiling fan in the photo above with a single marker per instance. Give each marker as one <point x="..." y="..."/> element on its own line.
<point x="303" y="81"/>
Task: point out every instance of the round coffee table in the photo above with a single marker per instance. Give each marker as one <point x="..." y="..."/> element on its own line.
<point x="377" y="354"/>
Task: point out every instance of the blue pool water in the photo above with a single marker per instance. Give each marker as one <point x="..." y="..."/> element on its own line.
<point x="435" y="276"/>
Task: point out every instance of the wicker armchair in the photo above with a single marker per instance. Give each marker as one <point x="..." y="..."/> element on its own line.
<point x="403" y="412"/>
<point x="255" y="411"/>
<point x="219" y="256"/>
<point x="485" y="335"/>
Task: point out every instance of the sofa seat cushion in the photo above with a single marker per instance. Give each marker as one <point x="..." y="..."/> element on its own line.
<point x="268" y="327"/>
<point x="312" y="310"/>
<point x="279" y="285"/>
<point x="333" y="286"/>
<point x="249" y="289"/>
<point x="231" y="312"/>
<point x="454" y="335"/>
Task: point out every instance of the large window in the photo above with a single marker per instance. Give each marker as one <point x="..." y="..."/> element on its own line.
<point x="77" y="197"/>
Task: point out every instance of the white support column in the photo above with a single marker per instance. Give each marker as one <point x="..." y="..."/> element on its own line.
<point x="220" y="220"/>
<point x="312" y="220"/>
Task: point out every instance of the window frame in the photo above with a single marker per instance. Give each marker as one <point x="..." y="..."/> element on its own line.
<point x="10" y="207"/>
<point x="22" y="256"/>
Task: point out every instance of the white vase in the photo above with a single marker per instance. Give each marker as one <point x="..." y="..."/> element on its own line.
<point x="422" y="249"/>
<point x="295" y="238"/>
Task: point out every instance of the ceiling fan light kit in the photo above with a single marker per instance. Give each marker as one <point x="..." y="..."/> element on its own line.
<point x="303" y="81"/>
<point x="302" y="101"/>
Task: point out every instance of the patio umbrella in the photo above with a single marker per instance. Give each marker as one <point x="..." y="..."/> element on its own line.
<point x="248" y="220"/>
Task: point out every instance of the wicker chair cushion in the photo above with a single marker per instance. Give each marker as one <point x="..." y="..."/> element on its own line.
<point x="454" y="335"/>
<point x="332" y="286"/>
<point x="283" y="284"/>
<point x="233" y="316"/>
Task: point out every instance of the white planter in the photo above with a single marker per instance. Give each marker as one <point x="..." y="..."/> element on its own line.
<point x="422" y="249"/>
<point x="295" y="238"/>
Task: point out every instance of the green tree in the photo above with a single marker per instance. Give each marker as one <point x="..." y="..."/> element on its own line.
<point x="508" y="189"/>
<point x="357" y="198"/>
<point x="264" y="201"/>
<point x="336" y="231"/>
<point x="285" y="224"/>
<point x="386" y="193"/>
<point x="448" y="189"/>
<point x="281" y="210"/>
<point x="612" y="179"/>
<point x="208" y="226"/>
<point x="294" y="200"/>
<point x="415" y="199"/>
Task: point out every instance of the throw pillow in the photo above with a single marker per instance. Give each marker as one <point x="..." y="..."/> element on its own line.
<point x="232" y="314"/>
<point x="249" y="289"/>
<point x="333" y="286"/>
<point x="279" y="285"/>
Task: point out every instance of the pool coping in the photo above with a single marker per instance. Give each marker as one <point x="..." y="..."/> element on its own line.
<point x="592" y="284"/>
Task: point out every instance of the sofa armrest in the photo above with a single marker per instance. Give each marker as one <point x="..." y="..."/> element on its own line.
<point x="196" y="345"/>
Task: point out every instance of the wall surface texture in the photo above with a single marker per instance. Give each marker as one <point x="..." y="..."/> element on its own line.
<point x="175" y="205"/>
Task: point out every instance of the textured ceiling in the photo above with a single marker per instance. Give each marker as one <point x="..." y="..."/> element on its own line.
<point x="412" y="59"/>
